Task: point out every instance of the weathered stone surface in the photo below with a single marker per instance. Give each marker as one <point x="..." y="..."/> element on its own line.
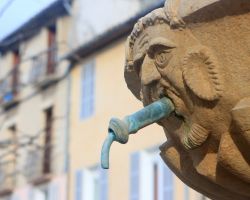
<point x="197" y="53"/>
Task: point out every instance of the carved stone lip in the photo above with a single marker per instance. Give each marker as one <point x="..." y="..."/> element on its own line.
<point x="191" y="137"/>
<point x="173" y="94"/>
<point x="165" y="90"/>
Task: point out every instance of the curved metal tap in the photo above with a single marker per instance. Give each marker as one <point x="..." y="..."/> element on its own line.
<point x="119" y="130"/>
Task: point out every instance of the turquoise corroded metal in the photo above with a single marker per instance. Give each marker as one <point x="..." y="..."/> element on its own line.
<point x="119" y="130"/>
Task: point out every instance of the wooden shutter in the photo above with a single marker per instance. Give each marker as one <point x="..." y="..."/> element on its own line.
<point x="53" y="191"/>
<point x="79" y="177"/>
<point x="87" y="90"/>
<point x="15" y="71"/>
<point x="141" y="176"/>
<point x="57" y="189"/>
<point x="84" y="185"/>
<point x="51" y="60"/>
<point x="167" y="183"/>
<point x="135" y="176"/>
<point x="186" y="192"/>
<point x="103" y="184"/>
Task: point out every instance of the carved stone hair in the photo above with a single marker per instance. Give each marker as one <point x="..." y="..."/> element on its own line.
<point x="168" y="15"/>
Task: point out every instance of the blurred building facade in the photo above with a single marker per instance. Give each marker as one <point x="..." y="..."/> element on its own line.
<point x="33" y="112"/>
<point x="61" y="80"/>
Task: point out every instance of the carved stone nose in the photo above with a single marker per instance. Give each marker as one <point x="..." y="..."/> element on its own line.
<point x="149" y="72"/>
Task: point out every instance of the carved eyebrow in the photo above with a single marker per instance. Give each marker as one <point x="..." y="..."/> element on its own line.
<point x="144" y="39"/>
<point x="153" y="43"/>
<point x="142" y="48"/>
<point x="138" y="59"/>
<point x="161" y="42"/>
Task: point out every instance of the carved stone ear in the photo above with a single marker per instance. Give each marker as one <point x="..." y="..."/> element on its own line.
<point x="200" y="73"/>
<point x="130" y="75"/>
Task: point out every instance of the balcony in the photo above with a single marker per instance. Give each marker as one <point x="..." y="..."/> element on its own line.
<point x="34" y="167"/>
<point x="43" y="71"/>
<point x="7" y="177"/>
<point x="9" y="89"/>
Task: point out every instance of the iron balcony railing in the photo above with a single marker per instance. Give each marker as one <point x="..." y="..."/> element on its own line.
<point x="33" y="165"/>
<point x="43" y="66"/>
<point x="42" y="72"/>
<point x="7" y="176"/>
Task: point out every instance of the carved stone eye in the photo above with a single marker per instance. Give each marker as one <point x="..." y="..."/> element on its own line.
<point x="162" y="58"/>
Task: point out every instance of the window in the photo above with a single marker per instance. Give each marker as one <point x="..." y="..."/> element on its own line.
<point x="91" y="184"/>
<point x="15" y="75"/>
<point x="150" y="178"/>
<point x="40" y="193"/>
<point x="10" y="83"/>
<point x="54" y="190"/>
<point x="186" y="192"/>
<point x="87" y="90"/>
<point x="58" y="188"/>
<point x="22" y="193"/>
<point x="48" y="140"/>
<point x="52" y="56"/>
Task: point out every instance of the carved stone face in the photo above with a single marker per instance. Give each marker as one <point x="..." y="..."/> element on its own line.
<point x="200" y="144"/>
<point x="172" y="63"/>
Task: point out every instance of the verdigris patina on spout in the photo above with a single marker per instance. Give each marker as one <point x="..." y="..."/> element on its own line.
<point x="119" y="130"/>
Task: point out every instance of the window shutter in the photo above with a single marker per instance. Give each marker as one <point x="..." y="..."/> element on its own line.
<point x="87" y="89"/>
<point x="57" y="189"/>
<point x="141" y="176"/>
<point x="135" y="176"/>
<point x="82" y="100"/>
<point x="38" y="195"/>
<point x="22" y="193"/>
<point x="84" y="185"/>
<point x="79" y="177"/>
<point x="186" y="192"/>
<point x="103" y="184"/>
<point x="53" y="191"/>
<point x="167" y="183"/>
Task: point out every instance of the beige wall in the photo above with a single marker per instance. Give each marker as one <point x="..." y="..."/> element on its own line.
<point x="6" y="62"/>
<point x="63" y="27"/>
<point x="28" y="116"/>
<point x="112" y="99"/>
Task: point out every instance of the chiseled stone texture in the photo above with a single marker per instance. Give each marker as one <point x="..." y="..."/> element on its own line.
<point x="197" y="53"/>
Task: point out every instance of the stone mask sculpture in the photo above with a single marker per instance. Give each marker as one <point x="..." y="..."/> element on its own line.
<point x="200" y="59"/>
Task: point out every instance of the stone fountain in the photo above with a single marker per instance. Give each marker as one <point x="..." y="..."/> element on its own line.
<point x="189" y="64"/>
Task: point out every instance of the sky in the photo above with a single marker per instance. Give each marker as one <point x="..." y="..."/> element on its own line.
<point x="92" y="18"/>
<point x="14" y="13"/>
<point x="89" y="19"/>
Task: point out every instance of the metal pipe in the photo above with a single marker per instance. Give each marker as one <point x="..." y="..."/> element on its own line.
<point x="106" y="149"/>
<point x="119" y="130"/>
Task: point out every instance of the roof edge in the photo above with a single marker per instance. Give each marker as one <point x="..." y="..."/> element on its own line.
<point x="108" y="37"/>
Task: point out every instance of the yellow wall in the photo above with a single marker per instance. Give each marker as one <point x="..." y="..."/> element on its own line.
<point x="112" y="99"/>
